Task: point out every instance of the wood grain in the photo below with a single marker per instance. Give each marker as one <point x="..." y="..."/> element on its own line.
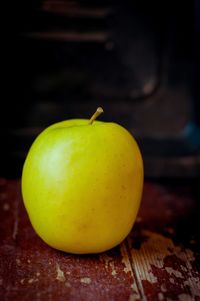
<point x="158" y="261"/>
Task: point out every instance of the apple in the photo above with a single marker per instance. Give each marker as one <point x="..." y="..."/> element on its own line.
<point x="82" y="183"/>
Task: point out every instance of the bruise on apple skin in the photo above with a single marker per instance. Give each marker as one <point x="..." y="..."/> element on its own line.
<point x="153" y="263"/>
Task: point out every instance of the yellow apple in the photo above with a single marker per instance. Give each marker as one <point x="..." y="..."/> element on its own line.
<point x="82" y="182"/>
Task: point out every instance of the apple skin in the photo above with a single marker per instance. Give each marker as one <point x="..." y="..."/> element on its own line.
<point x="82" y="185"/>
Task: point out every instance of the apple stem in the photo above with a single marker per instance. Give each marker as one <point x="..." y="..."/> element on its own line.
<point x="98" y="112"/>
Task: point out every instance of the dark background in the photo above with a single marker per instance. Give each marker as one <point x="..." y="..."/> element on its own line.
<point x="139" y="60"/>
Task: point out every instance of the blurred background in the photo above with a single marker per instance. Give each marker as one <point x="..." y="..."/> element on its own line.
<point x="140" y="60"/>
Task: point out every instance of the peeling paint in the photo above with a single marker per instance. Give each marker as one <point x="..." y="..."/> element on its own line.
<point x="183" y="268"/>
<point x="149" y="265"/>
<point x="152" y="277"/>
<point x="125" y="260"/>
<point x="157" y="252"/>
<point x="158" y="247"/>
<point x="86" y="280"/>
<point x="32" y="280"/>
<point x="128" y="269"/>
<point x="106" y="259"/>
<point x="176" y="273"/>
<point x="113" y="271"/>
<point x="109" y="263"/>
<point x="60" y="274"/>
<point x="194" y="284"/>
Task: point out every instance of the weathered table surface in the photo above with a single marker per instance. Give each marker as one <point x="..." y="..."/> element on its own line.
<point x="160" y="259"/>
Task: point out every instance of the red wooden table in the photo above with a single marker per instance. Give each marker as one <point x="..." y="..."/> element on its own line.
<point x="160" y="259"/>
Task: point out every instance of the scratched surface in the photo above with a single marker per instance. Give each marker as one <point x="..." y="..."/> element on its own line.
<point x="160" y="259"/>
